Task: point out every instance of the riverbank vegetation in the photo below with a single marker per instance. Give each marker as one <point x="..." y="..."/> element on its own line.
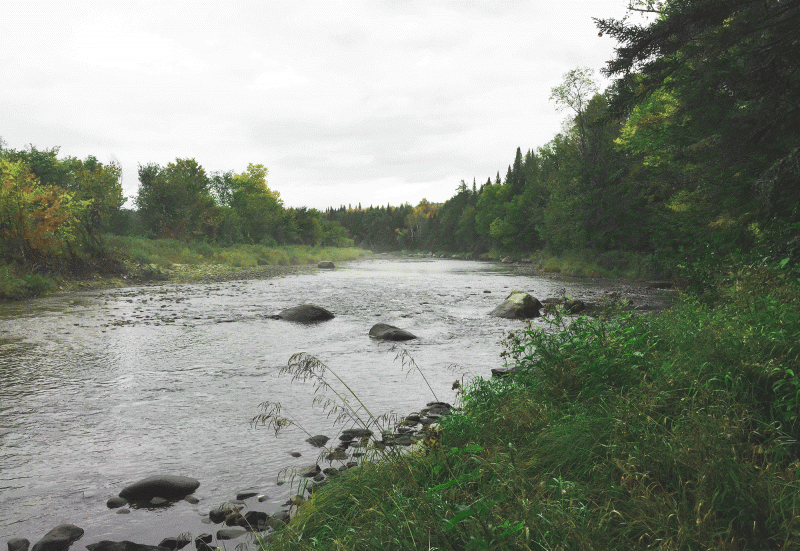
<point x="673" y="431"/>
<point x="691" y="155"/>
<point x="62" y="219"/>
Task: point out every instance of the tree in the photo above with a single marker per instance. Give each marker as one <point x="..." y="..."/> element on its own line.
<point x="574" y="93"/>
<point x="34" y="219"/>
<point x="176" y="201"/>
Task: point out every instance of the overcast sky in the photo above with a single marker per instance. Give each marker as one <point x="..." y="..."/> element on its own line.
<point x="344" y="102"/>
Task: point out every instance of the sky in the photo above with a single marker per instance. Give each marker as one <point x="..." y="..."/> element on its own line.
<point x="372" y="102"/>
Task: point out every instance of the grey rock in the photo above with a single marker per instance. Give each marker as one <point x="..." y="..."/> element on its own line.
<point x="174" y="543"/>
<point x="164" y="486"/>
<point x="191" y="499"/>
<point x="390" y="333"/>
<point x="309" y="472"/>
<point x="255" y="521"/>
<point x="518" y="305"/>
<point x="158" y="501"/>
<point x="233" y="519"/>
<point x="18" y="544"/>
<point x="246" y="494"/>
<point x="231" y="534"/>
<point x="123" y="511"/>
<point x="217" y="515"/>
<point x="318" y="441"/>
<point x="59" y="538"/>
<point x="326" y="265"/>
<point x="306" y="313"/>
<point x="295" y="454"/>
<point x="281" y="517"/>
<point x="116" y="502"/>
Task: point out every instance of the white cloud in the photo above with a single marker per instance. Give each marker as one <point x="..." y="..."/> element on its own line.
<point x="345" y="102"/>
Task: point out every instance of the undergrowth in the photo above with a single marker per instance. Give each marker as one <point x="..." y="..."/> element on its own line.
<point x="163" y="252"/>
<point x="674" y="431"/>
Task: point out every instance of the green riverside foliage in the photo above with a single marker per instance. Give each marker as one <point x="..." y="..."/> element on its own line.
<point x="674" y="431"/>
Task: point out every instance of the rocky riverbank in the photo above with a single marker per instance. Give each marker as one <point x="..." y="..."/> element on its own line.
<point x="244" y="513"/>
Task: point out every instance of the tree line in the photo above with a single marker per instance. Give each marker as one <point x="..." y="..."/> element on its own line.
<point x="694" y="151"/>
<point x="55" y="211"/>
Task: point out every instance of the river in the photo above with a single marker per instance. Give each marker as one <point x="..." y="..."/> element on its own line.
<point x="100" y="389"/>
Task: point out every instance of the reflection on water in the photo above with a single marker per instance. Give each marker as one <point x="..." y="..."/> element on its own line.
<point x="100" y="389"/>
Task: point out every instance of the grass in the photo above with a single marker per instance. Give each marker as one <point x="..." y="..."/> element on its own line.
<point x="677" y="431"/>
<point x="581" y="263"/>
<point x="163" y="252"/>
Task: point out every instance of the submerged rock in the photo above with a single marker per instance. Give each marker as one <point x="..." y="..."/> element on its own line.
<point x="163" y="486"/>
<point x="390" y="333"/>
<point x="306" y="313"/>
<point x="59" y="538"/>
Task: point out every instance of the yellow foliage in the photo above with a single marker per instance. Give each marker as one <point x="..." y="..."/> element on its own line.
<point x="34" y="218"/>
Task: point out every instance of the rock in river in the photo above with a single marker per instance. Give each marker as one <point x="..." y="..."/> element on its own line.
<point x="59" y="538"/>
<point x="165" y="486"/>
<point x="305" y="313"/>
<point x="326" y="265"/>
<point x="518" y="305"/>
<point x="18" y="544"/>
<point x="390" y="333"/>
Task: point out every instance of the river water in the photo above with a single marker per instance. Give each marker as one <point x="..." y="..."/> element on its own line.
<point x="103" y="388"/>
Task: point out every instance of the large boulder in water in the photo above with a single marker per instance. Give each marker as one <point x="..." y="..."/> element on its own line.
<point x="166" y="486"/>
<point x="390" y="333"/>
<point x="306" y="313"/>
<point x="59" y="538"/>
<point x="518" y="305"/>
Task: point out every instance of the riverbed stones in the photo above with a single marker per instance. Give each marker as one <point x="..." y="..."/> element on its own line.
<point x="255" y="521"/>
<point x="326" y="265"/>
<point x="18" y="544"/>
<point x="246" y="494"/>
<point x="163" y="486"/>
<point x="59" y="538"/>
<point x="390" y="333"/>
<point x="518" y="305"/>
<point x="309" y="471"/>
<point x="116" y="502"/>
<point x="306" y="313"/>
<point x="318" y="441"/>
<point x="353" y="434"/>
<point x="175" y="543"/>
<point x="230" y="534"/>
<point x="217" y="515"/>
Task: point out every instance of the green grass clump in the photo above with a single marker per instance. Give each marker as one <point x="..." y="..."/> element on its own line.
<point x="676" y="431"/>
<point x="13" y="287"/>
<point x="583" y="263"/>
<point x="164" y="252"/>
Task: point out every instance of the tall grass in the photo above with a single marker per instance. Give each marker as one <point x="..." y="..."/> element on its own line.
<point x="675" y="432"/>
<point x="164" y="252"/>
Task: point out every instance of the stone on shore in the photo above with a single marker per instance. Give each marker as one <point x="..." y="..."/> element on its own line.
<point x="318" y="441"/>
<point x="116" y="502"/>
<point x="306" y="313"/>
<point x="518" y="305"/>
<point x="163" y="486"/>
<point x="390" y="333"/>
<point x="326" y="265"/>
<point x="59" y="538"/>
<point x="18" y="544"/>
